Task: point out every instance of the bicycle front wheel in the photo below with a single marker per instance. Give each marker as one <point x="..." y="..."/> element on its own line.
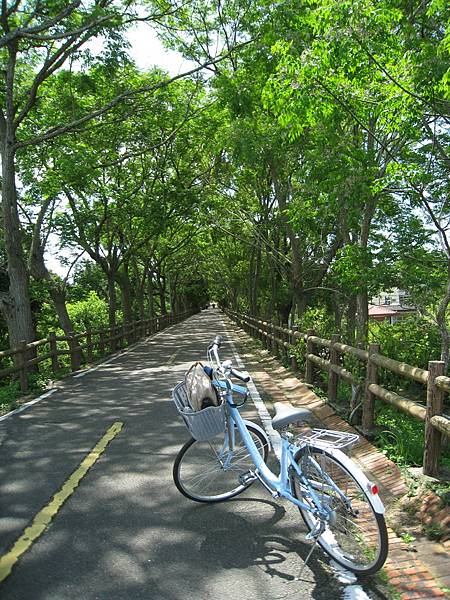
<point x="207" y="471"/>
<point x="355" y="535"/>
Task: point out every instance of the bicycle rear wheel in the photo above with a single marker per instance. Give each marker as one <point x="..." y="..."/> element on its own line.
<point x="355" y="536"/>
<point x="207" y="471"/>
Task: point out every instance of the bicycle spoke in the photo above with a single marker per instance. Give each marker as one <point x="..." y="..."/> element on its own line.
<point x="209" y="471"/>
<point x="354" y="535"/>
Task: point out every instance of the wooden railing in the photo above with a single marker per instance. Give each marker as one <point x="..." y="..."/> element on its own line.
<point x="80" y="347"/>
<point x="280" y="340"/>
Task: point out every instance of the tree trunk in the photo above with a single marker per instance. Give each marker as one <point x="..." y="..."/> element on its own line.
<point x="362" y="317"/>
<point x="58" y="296"/>
<point x="442" y="322"/>
<point x="16" y="306"/>
<point x="254" y="273"/>
<point x="351" y="320"/>
<point x="112" y="298"/>
<point x="296" y="265"/>
<point x="162" y="296"/>
<point x="127" y="302"/>
<point x="56" y="287"/>
<point x="151" y="302"/>
<point x="250" y="295"/>
<point x="140" y="279"/>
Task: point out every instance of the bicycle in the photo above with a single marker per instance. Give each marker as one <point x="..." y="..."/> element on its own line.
<point x="339" y="505"/>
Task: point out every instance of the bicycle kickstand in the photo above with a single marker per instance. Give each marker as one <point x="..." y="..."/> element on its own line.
<point x="312" y="535"/>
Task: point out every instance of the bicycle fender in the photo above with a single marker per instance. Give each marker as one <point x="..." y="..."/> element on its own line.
<point x="260" y="429"/>
<point x="363" y="481"/>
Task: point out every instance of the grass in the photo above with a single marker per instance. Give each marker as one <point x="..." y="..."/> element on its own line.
<point x="11" y="397"/>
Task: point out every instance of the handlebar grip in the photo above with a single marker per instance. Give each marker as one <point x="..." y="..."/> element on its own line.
<point x="245" y="377"/>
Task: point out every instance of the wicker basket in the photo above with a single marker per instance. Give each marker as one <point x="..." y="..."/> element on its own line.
<point x="202" y="424"/>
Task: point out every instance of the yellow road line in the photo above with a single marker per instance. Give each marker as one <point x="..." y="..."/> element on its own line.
<point x="172" y="358"/>
<point x="43" y="518"/>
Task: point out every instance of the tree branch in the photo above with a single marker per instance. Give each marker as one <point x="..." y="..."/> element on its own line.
<point x="60" y="130"/>
<point x="17" y="33"/>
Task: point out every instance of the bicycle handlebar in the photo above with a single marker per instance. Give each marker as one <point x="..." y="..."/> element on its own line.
<point x="213" y="347"/>
<point x="245" y="377"/>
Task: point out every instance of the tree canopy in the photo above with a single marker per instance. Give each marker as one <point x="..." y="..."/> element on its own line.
<point x="303" y="165"/>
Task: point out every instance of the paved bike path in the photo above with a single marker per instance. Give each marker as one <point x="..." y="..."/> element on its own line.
<point x="126" y="532"/>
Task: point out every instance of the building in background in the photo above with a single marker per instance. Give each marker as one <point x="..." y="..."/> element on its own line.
<point x="391" y="306"/>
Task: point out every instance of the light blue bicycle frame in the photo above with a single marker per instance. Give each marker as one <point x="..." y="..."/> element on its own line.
<point x="278" y="485"/>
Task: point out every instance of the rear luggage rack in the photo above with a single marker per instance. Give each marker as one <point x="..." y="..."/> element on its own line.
<point x="326" y="438"/>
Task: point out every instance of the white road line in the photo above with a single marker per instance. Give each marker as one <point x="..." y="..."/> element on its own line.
<point x="28" y="404"/>
<point x="82" y="374"/>
<point x="260" y="406"/>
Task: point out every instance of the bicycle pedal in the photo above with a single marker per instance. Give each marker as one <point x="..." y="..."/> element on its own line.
<point x="247" y="478"/>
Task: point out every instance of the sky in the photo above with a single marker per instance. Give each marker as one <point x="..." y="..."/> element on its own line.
<point x="147" y="51"/>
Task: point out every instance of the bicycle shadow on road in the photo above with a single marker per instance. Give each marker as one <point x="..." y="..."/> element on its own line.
<point x="268" y="535"/>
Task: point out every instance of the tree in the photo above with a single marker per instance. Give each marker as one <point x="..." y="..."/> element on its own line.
<point x="36" y="41"/>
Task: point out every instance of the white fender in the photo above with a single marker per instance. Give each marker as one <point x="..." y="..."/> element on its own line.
<point x="355" y="470"/>
<point x="260" y="429"/>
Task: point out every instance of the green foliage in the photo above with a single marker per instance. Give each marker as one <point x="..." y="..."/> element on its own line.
<point x="401" y="437"/>
<point x="91" y="312"/>
<point x="319" y="319"/>
<point x="299" y="351"/>
<point x="413" y="340"/>
<point x="9" y="394"/>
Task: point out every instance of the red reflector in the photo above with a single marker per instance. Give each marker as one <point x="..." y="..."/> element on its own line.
<point x="374" y="488"/>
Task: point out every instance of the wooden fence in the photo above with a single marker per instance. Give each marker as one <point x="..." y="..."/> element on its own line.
<point x="280" y="340"/>
<point x="80" y="347"/>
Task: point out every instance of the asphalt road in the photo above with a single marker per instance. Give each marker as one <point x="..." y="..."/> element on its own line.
<point x="126" y="532"/>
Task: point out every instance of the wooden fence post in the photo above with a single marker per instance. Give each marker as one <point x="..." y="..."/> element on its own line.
<point x="368" y="412"/>
<point x="333" y="378"/>
<point x="435" y="406"/>
<point x="285" y="338"/>
<point x="294" y="365"/>
<point x="309" y="367"/>
<point x="274" y="341"/>
<point x="74" y="352"/>
<point x="21" y="362"/>
<point x="112" y="342"/>
<point x="127" y="334"/>
<point x="266" y="337"/>
<point x="54" y="352"/>
<point x="90" y="358"/>
<point x="101" y="341"/>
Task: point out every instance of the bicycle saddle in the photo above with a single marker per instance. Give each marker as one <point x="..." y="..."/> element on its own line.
<point x="285" y="414"/>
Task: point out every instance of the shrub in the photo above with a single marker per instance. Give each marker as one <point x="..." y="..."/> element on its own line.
<point x="92" y="312"/>
<point x="413" y="340"/>
<point x="319" y="320"/>
<point x="401" y="437"/>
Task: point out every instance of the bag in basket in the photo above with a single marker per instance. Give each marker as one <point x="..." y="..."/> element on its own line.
<point x="200" y="391"/>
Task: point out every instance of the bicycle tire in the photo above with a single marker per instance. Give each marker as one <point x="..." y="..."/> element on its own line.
<point x="198" y="471"/>
<point x="356" y="535"/>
